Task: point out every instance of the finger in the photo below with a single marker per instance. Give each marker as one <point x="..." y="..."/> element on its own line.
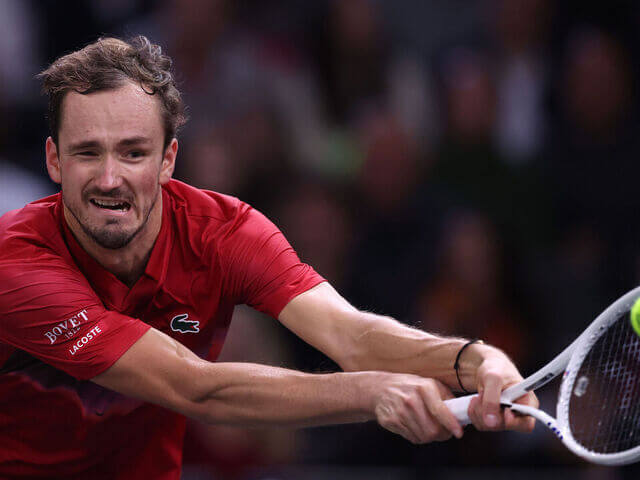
<point x="442" y="433"/>
<point x="441" y="414"/>
<point x="434" y="430"/>
<point x="410" y="432"/>
<point x="491" y="414"/>
<point x="429" y="428"/>
<point x="440" y="430"/>
<point x="529" y="399"/>
<point x="475" y="413"/>
<point x="399" y="429"/>
<point x="517" y="422"/>
<point x="522" y="423"/>
<point x="446" y="420"/>
<point x="418" y="420"/>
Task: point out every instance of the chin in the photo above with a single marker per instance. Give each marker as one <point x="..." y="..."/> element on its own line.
<point x="113" y="240"/>
<point x="112" y="235"/>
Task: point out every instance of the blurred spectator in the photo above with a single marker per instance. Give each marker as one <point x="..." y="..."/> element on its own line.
<point x="351" y="48"/>
<point x="19" y="55"/>
<point x="244" y="156"/>
<point x="360" y="70"/>
<point x="572" y="285"/>
<point x="594" y="155"/>
<point x="597" y="87"/>
<point x="469" y="164"/>
<point x="520" y="30"/>
<point x="466" y="295"/>
<point x="314" y="218"/>
<point x="392" y="169"/>
<point x="397" y="215"/>
<point x="470" y="97"/>
<point x="470" y="295"/>
<point x="20" y="59"/>
<point x="207" y="161"/>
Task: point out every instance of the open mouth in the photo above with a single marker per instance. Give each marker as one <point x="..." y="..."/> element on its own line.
<point x="113" y="205"/>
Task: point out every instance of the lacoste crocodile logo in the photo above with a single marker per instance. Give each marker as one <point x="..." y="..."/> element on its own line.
<point x="179" y="323"/>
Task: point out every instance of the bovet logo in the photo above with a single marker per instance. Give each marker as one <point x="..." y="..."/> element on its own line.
<point x="68" y="328"/>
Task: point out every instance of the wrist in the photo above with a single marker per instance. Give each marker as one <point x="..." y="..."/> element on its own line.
<point x="456" y="363"/>
<point x="365" y="392"/>
<point x="470" y="361"/>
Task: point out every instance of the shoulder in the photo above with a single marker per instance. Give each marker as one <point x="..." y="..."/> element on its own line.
<point x="33" y="253"/>
<point x="213" y="225"/>
<point x="206" y="212"/>
<point x="34" y="227"/>
<point x="195" y="202"/>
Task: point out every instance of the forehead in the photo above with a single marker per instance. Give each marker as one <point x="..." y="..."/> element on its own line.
<point x="109" y="115"/>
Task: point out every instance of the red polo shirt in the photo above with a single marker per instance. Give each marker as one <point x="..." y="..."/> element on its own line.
<point x="64" y="319"/>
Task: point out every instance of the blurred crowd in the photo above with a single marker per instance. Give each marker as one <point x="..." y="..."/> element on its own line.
<point x="468" y="167"/>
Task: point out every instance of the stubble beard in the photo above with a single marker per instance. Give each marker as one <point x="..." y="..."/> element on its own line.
<point x="111" y="238"/>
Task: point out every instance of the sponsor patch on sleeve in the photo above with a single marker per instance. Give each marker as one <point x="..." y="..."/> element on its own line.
<point x="68" y="328"/>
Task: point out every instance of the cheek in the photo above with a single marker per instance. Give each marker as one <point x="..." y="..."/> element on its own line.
<point x="148" y="184"/>
<point x="151" y="189"/>
<point x="72" y="179"/>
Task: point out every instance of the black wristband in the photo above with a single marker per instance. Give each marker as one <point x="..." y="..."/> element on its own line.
<point x="456" y="364"/>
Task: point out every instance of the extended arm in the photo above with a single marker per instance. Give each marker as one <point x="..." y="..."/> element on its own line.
<point x="364" y="341"/>
<point x="160" y="370"/>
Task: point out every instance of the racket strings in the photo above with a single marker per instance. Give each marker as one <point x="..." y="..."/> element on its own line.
<point x="604" y="410"/>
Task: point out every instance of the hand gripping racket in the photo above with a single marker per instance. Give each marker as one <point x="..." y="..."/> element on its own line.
<point x="598" y="409"/>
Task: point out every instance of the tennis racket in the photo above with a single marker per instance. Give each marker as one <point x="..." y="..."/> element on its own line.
<point x="598" y="409"/>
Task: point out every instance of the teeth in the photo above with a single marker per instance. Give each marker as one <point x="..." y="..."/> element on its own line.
<point x="111" y="204"/>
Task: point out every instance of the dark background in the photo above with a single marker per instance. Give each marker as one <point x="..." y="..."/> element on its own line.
<point x="468" y="167"/>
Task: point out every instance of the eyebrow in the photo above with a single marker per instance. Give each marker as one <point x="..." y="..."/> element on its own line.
<point x="122" y="143"/>
<point x="134" y="141"/>
<point x="83" y="145"/>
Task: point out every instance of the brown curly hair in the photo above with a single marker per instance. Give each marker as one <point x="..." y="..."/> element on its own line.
<point x="107" y="64"/>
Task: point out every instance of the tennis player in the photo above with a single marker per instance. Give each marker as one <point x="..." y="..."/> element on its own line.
<point x="116" y="294"/>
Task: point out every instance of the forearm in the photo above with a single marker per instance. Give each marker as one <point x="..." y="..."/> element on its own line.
<point x="160" y="370"/>
<point x="360" y="341"/>
<point x="251" y="395"/>
<point x="382" y="343"/>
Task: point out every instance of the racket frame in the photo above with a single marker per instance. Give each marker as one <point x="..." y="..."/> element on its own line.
<point x="568" y="363"/>
<point x="583" y="345"/>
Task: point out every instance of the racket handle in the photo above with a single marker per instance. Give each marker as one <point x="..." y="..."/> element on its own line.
<point x="459" y="407"/>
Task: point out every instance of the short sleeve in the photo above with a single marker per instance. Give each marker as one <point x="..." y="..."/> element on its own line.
<point x="48" y="309"/>
<point x="263" y="271"/>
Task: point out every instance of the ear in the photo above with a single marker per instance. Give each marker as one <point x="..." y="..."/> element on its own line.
<point x="168" y="162"/>
<point x="53" y="160"/>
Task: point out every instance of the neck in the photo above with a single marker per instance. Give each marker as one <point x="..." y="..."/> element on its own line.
<point x="129" y="262"/>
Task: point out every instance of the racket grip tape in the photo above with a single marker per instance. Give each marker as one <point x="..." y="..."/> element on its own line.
<point x="459" y="407"/>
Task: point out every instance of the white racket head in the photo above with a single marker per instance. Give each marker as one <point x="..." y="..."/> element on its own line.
<point x="599" y="400"/>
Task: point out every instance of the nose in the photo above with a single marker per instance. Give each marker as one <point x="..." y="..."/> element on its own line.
<point x="108" y="175"/>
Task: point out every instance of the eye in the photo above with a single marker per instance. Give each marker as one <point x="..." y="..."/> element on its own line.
<point x="134" y="154"/>
<point x="87" y="153"/>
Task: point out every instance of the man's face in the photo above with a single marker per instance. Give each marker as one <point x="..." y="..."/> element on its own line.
<point x="110" y="162"/>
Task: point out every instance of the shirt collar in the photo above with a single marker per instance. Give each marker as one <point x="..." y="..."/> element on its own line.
<point x="105" y="282"/>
